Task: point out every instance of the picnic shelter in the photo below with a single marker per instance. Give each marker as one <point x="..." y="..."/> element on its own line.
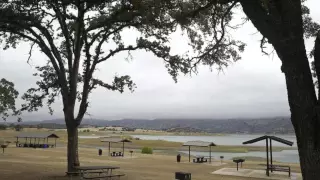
<point x="115" y="140"/>
<point x="269" y="139"/>
<point x="36" y="139"/>
<point x="199" y="144"/>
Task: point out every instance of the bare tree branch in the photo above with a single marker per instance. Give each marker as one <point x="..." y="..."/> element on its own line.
<point x="217" y="40"/>
<point x="65" y="31"/>
<point x="119" y="49"/>
<point x="262" y="47"/>
<point x="30" y="52"/>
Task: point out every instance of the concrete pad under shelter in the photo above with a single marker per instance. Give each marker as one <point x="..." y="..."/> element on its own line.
<point x="261" y="174"/>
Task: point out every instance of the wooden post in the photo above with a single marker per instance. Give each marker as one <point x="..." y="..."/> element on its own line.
<point x="271" y="154"/>
<point x="210" y="154"/>
<point x="109" y="149"/>
<point x="189" y="153"/>
<point x="123" y="149"/>
<point x="267" y="149"/>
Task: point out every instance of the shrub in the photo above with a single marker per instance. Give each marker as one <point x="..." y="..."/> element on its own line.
<point x="147" y="150"/>
<point x="18" y="127"/>
<point x="3" y="127"/>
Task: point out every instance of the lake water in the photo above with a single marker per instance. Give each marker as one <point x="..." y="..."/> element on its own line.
<point x="290" y="156"/>
<point x="232" y="139"/>
<point x="89" y="137"/>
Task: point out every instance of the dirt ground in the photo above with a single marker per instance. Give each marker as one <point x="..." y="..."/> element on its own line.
<point x="33" y="164"/>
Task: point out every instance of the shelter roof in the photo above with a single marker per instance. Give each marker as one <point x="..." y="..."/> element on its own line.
<point x="36" y="135"/>
<point x="199" y="143"/>
<point x="278" y="139"/>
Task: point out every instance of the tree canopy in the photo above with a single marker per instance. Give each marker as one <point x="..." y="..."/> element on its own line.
<point x="84" y="33"/>
<point x="209" y="25"/>
<point x="77" y="36"/>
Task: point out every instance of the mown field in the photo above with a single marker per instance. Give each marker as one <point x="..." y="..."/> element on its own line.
<point x="50" y="164"/>
<point x="32" y="164"/>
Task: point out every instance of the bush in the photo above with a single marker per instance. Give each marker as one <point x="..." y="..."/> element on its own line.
<point x="3" y="127"/>
<point x="147" y="150"/>
<point x="18" y="127"/>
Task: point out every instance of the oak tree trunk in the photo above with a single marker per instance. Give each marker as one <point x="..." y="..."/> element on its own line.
<point x="303" y="105"/>
<point x="281" y="23"/>
<point x="73" y="156"/>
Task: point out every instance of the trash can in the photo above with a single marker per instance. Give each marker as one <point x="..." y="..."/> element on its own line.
<point x="182" y="176"/>
<point x="178" y="158"/>
<point x="100" y="152"/>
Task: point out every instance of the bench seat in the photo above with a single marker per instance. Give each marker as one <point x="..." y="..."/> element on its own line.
<point x="107" y="177"/>
<point x="72" y="173"/>
<point x="280" y="168"/>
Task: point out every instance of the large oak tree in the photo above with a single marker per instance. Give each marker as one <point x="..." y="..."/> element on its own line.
<point x="284" y="24"/>
<point x="77" y="36"/>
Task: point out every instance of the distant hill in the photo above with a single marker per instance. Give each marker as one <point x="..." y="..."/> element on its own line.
<point x="259" y="125"/>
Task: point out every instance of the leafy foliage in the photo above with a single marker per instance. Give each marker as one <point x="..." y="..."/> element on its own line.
<point x="206" y="24"/>
<point x="75" y="33"/>
<point x="18" y="127"/>
<point x="146" y="150"/>
<point x="8" y="95"/>
<point x="3" y="127"/>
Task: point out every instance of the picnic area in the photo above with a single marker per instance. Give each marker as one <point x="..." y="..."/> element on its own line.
<point x="51" y="164"/>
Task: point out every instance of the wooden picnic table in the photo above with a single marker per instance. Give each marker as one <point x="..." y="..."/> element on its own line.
<point x="199" y="159"/>
<point x="104" y="172"/>
<point x="116" y="154"/>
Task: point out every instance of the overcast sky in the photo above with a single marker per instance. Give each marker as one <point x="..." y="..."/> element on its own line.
<point x="252" y="87"/>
